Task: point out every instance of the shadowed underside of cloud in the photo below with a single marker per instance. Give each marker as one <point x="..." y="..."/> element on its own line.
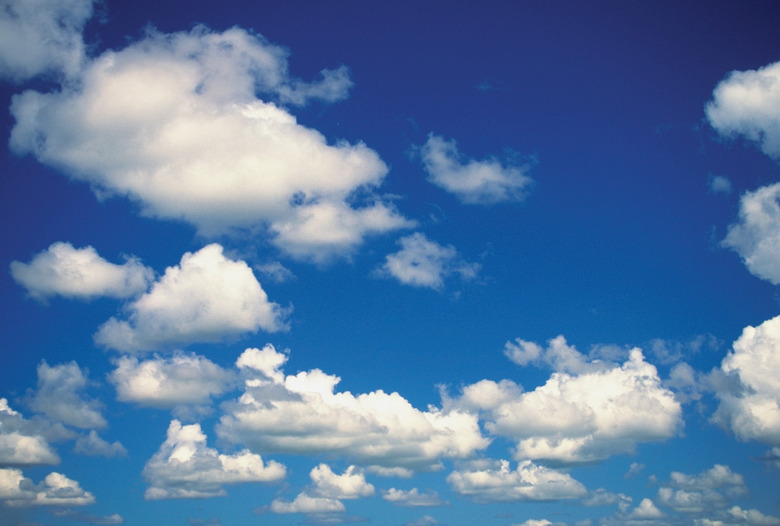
<point x="173" y="122"/>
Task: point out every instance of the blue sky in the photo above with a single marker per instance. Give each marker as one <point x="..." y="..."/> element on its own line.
<point x="410" y="263"/>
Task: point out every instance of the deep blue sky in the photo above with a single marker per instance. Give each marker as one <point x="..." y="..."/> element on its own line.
<point x="534" y="190"/>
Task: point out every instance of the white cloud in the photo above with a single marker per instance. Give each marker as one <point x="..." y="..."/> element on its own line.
<point x="42" y="37"/>
<point x="91" y="444"/>
<point x="595" y="410"/>
<point x="536" y="522"/>
<point x="425" y="263"/>
<point x="752" y="517"/>
<point x="172" y="122"/>
<point x="751" y="408"/>
<point x="496" y="482"/>
<point x="304" y="414"/>
<point x="181" y="379"/>
<point x="60" y="396"/>
<point x="701" y="493"/>
<point x="207" y="298"/>
<point x="55" y="490"/>
<point x="719" y="184"/>
<point x="748" y="103"/>
<point x="602" y="497"/>
<point x="646" y="510"/>
<point x="413" y="498"/>
<point x="475" y="182"/>
<point x="185" y="467"/>
<point x="62" y="270"/>
<point x="21" y="441"/>
<point x="305" y="503"/>
<point x="349" y="485"/>
<point x="756" y="235"/>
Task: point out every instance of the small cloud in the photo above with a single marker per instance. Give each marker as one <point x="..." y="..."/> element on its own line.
<point x="719" y="184"/>
<point x="484" y="182"/>
<point x="59" y="396"/>
<point x="55" y="490"/>
<point x="425" y="263"/>
<point x="275" y="272"/>
<point x="413" y="498"/>
<point x="93" y="445"/>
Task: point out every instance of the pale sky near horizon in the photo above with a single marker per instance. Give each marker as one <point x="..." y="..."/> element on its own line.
<point x="400" y="263"/>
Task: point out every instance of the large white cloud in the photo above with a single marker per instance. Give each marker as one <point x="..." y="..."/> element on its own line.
<point x="206" y="298"/>
<point x="586" y="411"/>
<point x="42" y="37"/>
<point x="22" y="442"/>
<point x="173" y="123"/>
<point x="62" y="270"/>
<point x="748" y="103"/>
<point x="55" y="490"/>
<point x="60" y="396"/>
<point x="168" y="382"/>
<point x="487" y="481"/>
<point x="185" y="467"/>
<point x="756" y="234"/>
<point x="474" y="182"/>
<point x="425" y="263"/>
<point x="304" y="414"/>
<point x="751" y="405"/>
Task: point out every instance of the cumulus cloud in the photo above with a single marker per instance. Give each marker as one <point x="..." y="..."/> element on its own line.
<point x="305" y="503"/>
<point x="756" y="234"/>
<point x="55" y="490"/>
<point x="750" y="405"/>
<point x="304" y="414"/>
<point x="185" y="467"/>
<point x="62" y="270"/>
<point x="60" y="396"/>
<point x="206" y="298"/>
<point x="91" y="444"/>
<point x="168" y="382"/>
<point x="413" y="498"/>
<point x="752" y="517"/>
<point x="747" y="103"/>
<point x="586" y="411"/>
<point x="496" y="482"/>
<point x="327" y="491"/>
<point x="646" y="510"/>
<point x="42" y="37"/>
<point x="474" y="182"/>
<point x="704" y="492"/>
<point x="172" y="122"/>
<point x="425" y="263"/>
<point x="22" y="442"/>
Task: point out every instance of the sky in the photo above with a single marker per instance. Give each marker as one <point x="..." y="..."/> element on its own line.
<point x="400" y="263"/>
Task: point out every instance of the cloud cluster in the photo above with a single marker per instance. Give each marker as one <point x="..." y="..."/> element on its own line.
<point x="750" y="405"/>
<point x="425" y="263"/>
<point x="22" y="442"/>
<point x="326" y="492"/>
<point x="756" y="234"/>
<point x="704" y="492"/>
<point x="168" y="382"/>
<point x="487" y="481"/>
<point x="173" y="123"/>
<point x="747" y="103"/>
<point x="55" y="490"/>
<point x="40" y="37"/>
<point x="586" y="411"/>
<point x="206" y="298"/>
<point x="185" y="467"/>
<point x="474" y="182"/>
<point x="62" y="270"/>
<point x="304" y="414"/>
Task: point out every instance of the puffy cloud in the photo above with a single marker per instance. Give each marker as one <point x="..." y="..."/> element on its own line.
<point x="304" y="414"/>
<point x="756" y="235"/>
<point x="704" y="492"/>
<point x="586" y="414"/>
<point x="62" y="270"/>
<point x="413" y="498"/>
<point x="92" y="444"/>
<point x="327" y="491"/>
<point x="424" y="263"/>
<point x="206" y="298"/>
<point x="181" y="379"/>
<point x="747" y="103"/>
<point x="55" y="490"/>
<point x="646" y="510"/>
<point x="475" y="182"/>
<point x="60" y="396"/>
<point x="751" y="405"/>
<point x="185" y="467"/>
<point x="497" y="482"/>
<point x="173" y="123"/>
<point x="42" y="37"/>
<point x="602" y="497"/>
<point x="753" y="517"/>
<point x="305" y="503"/>
<point x="22" y="442"/>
